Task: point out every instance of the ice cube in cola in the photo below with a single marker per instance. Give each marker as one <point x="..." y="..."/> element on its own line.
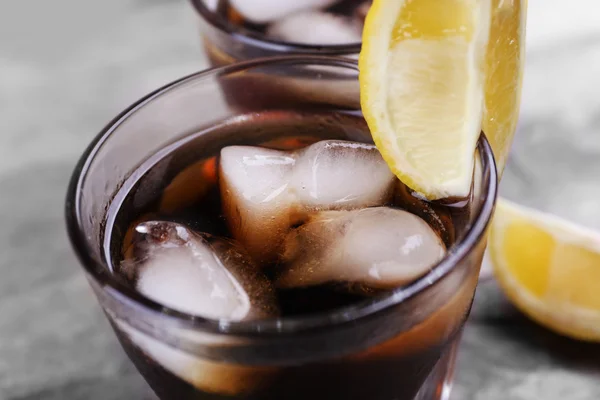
<point x="287" y="217"/>
<point x="265" y="192"/>
<point x="372" y="248"/>
<point x="198" y="273"/>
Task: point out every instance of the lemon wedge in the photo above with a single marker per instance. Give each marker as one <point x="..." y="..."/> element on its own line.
<point x="504" y="76"/>
<point x="432" y="74"/>
<point x="549" y="268"/>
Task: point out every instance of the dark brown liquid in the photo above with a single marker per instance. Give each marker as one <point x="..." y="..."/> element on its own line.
<point x="182" y="185"/>
<point x="392" y="378"/>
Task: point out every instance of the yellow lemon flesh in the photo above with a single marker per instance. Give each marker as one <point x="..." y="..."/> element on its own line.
<point x="549" y="268"/>
<point x="425" y="66"/>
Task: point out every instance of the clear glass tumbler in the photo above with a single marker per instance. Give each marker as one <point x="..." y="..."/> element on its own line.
<point x="225" y="43"/>
<point x="399" y="345"/>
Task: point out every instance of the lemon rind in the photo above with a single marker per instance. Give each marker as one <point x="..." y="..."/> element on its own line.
<point x="561" y="317"/>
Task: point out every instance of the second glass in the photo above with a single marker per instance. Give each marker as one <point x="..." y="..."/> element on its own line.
<point x="226" y="42"/>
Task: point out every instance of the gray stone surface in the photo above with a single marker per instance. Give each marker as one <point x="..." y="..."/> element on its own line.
<point x="69" y="66"/>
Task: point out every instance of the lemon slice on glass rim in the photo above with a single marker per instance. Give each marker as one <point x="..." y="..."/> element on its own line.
<point x="432" y="74"/>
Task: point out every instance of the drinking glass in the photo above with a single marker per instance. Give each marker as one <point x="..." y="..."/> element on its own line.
<point x="396" y="345"/>
<point x="225" y="43"/>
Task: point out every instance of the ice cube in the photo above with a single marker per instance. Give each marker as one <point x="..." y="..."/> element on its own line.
<point x="378" y="247"/>
<point x="199" y="274"/>
<point x="266" y="192"/>
<point x="316" y="28"/>
<point x="257" y="201"/>
<point x="264" y="11"/>
<point x="336" y="174"/>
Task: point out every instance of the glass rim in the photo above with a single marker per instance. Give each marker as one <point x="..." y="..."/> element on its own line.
<point x="265" y="43"/>
<point x="124" y="293"/>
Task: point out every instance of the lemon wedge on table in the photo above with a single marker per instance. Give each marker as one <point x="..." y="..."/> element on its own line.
<point x="431" y="72"/>
<point x="549" y="268"/>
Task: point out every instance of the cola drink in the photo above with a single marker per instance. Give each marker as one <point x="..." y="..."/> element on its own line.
<point x="261" y="249"/>
<point x="299" y="219"/>
<point x="237" y="30"/>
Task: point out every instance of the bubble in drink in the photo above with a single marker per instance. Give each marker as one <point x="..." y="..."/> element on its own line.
<point x="266" y="192"/>
<point x="316" y="28"/>
<point x="264" y="11"/>
<point x="199" y="274"/>
<point x="378" y="247"/>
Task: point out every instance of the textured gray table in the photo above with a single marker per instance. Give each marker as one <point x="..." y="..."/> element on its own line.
<point x="66" y="68"/>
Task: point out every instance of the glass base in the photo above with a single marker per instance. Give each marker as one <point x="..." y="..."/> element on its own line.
<point x="438" y="384"/>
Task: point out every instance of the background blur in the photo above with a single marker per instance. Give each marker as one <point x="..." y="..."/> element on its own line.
<point x="68" y="66"/>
